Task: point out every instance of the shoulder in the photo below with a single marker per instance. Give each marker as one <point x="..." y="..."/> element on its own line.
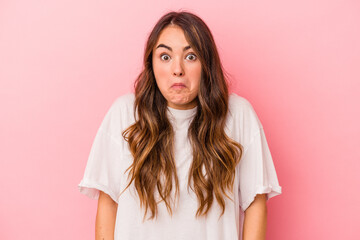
<point x="120" y="115"/>
<point x="122" y="105"/>
<point x="125" y="100"/>
<point x="242" y="121"/>
<point x="240" y="107"/>
<point x="238" y="102"/>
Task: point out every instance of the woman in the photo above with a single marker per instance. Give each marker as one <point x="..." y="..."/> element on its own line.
<point x="180" y="158"/>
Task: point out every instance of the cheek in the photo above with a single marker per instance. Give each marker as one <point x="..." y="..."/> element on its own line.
<point x="196" y="77"/>
<point x="161" y="75"/>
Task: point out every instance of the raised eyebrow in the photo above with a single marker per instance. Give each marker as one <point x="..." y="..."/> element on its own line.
<point x="164" y="46"/>
<point x="186" y="48"/>
<point x="170" y="49"/>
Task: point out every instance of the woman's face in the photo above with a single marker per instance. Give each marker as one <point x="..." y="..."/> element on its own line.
<point x="177" y="68"/>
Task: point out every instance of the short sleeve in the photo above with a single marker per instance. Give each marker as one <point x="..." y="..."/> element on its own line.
<point x="102" y="172"/>
<point x="257" y="173"/>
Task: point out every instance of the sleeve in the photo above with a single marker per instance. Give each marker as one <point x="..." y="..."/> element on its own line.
<point x="102" y="171"/>
<point x="257" y="173"/>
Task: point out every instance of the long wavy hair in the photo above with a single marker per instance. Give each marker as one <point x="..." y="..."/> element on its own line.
<point x="151" y="137"/>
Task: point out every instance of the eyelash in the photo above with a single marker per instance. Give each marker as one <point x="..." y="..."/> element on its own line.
<point x="190" y="54"/>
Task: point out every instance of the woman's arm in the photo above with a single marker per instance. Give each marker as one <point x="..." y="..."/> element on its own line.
<point x="256" y="219"/>
<point x="105" y="217"/>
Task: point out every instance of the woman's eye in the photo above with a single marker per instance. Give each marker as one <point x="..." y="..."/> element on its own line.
<point x="165" y="57"/>
<point x="191" y="57"/>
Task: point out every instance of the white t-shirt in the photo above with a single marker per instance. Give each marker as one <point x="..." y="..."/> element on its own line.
<point x="110" y="157"/>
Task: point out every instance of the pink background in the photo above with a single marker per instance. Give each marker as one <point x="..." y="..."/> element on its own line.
<point x="62" y="64"/>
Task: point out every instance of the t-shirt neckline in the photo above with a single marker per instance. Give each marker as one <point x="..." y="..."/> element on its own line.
<point x="182" y="114"/>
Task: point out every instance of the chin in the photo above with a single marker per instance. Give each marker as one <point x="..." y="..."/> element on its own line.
<point x="180" y="101"/>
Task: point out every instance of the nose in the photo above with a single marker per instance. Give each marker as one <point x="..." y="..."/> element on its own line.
<point x="177" y="68"/>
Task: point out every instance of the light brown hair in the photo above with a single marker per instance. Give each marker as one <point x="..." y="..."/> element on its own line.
<point x="151" y="137"/>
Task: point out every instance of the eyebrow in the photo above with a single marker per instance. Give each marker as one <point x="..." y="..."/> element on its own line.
<point x="167" y="47"/>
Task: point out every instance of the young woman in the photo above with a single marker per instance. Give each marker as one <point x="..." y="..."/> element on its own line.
<point x="181" y="158"/>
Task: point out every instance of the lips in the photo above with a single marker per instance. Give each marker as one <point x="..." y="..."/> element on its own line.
<point x="178" y="85"/>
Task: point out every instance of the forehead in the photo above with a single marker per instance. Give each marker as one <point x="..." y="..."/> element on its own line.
<point x="173" y="36"/>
